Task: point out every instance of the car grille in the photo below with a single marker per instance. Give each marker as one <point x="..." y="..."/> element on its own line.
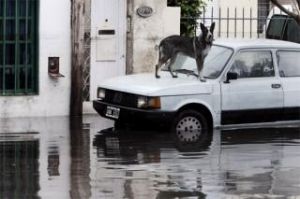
<point x="121" y="98"/>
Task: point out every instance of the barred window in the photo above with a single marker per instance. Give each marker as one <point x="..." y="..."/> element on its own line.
<point x="18" y="47"/>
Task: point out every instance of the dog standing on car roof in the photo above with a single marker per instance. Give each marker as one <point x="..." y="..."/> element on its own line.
<point x="195" y="47"/>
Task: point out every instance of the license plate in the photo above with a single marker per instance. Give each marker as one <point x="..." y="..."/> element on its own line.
<point x="112" y="112"/>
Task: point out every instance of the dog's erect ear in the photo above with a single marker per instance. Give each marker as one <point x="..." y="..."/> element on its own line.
<point x="212" y="27"/>
<point x="203" y="28"/>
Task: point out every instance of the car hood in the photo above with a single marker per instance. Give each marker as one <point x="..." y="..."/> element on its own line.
<point x="147" y="84"/>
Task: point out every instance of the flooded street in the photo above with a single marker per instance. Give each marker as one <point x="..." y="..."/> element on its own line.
<point x="56" y="158"/>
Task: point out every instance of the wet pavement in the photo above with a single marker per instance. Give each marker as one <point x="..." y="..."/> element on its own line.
<point x="56" y="158"/>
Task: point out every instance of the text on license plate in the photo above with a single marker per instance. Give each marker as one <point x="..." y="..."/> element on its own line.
<point x="112" y="112"/>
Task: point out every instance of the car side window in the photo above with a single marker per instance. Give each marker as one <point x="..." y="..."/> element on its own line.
<point x="288" y="63"/>
<point x="251" y="64"/>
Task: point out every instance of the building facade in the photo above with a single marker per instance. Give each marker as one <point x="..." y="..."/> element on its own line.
<point x="121" y="38"/>
<point x="32" y="39"/>
<point x="35" y="49"/>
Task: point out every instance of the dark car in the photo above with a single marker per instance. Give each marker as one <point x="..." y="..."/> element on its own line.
<point x="283" y="27"/>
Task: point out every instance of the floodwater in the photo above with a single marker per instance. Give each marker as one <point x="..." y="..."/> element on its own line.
<point x="56" y="158"/>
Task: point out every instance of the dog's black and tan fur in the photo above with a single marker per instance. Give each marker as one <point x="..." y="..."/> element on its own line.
<point x="195" y="47"/>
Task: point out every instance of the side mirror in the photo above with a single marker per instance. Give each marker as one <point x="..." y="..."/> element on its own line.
<point x="231" y="76"/>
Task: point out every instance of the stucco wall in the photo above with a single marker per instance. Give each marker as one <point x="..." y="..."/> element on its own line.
<point x="148" y="32"/>
<point x="232" y="9"/>
<point x="228" y="9"/>
<point x="54" y="41"/>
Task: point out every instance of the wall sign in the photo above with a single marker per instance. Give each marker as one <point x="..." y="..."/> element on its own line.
<point x="144" y="11"/>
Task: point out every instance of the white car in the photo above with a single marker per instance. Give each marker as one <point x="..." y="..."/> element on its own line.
<point x="247" y="81"/>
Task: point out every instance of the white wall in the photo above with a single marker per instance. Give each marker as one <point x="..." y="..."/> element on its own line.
<point x="171" y="19"/>
<point x="54" y="40"/>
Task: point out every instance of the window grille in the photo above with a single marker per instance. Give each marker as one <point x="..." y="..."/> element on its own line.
<point x="18" y="47"/>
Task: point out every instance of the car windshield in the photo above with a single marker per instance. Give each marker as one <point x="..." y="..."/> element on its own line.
<point x="213" y="64"/>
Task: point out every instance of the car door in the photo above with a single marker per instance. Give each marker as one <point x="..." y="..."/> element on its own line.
<point x="256" y="95"/>
<point x="289" y="70"/>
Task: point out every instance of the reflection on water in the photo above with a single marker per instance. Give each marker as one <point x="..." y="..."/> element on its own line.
<point x="19" y="177"/>
<point x="264" y="161"/>
<point x="53" y="161"/>
<point x="80" y="160"/>
<point x="148" y="165"/>
<point x="56" y="158"/>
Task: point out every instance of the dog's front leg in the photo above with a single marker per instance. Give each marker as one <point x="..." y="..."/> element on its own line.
<point x="200" y="63"/>
<point x="157" y="67"/>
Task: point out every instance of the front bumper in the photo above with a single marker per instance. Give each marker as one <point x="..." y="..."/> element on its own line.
<point x="134" y="115"/>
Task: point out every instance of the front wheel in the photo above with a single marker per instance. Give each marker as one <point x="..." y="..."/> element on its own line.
<point x="191" y="126"/>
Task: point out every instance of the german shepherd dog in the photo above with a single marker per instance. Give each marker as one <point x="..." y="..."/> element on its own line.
<point x="195" y="47"/>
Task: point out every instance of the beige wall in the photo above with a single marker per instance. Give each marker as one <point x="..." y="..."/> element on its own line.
<point x="239" y="5"/>
<point x="146" y="33"/>
<point x="232" y="9"/>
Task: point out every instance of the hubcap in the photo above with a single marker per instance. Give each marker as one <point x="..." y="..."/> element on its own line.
<point x="189" y="129"/>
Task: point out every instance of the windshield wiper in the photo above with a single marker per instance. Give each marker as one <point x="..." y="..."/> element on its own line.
<point x="186" y="71"/>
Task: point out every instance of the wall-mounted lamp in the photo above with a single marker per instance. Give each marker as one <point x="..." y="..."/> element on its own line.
<point x="53" y="67"/>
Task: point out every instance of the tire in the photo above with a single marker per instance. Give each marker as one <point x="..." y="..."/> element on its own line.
<point x="190" y="126"/>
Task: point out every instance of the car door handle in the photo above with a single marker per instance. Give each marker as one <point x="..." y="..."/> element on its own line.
<point x="275" y="86"/>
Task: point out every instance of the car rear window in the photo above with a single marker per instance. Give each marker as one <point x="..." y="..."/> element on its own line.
<point x="292" y="32"/>
<point x="276" y="26"/>
<point x="289" y="63"/>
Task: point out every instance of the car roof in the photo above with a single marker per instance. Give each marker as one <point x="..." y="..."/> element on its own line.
<point x="255" y="43"/>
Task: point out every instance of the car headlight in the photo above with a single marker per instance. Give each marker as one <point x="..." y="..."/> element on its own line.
<point x="101" y="93"/>
<point x="148" y="102"/>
